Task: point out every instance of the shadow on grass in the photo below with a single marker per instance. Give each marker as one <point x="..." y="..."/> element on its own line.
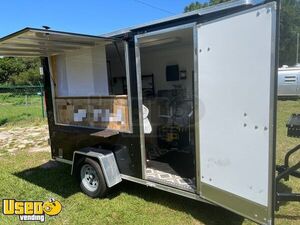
<point x="202" y="212"/>
<point x="3" y="121"/>
<point x="56" y="178"/>
<point x="288" y="98"/>
<point x="283" y="188"/>
<point x="52" y="176"/>
<point x="288" y="217"/>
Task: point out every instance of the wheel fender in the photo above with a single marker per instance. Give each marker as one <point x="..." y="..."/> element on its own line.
<point x="106" y="160"/>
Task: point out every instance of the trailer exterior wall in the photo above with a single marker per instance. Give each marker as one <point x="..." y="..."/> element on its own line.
<point x="67" y="139"/>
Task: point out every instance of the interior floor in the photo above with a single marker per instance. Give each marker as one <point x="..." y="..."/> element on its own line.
<point x="163" y="174"/>
<point x="167" y="85"/>
<point x="173" y="169"/>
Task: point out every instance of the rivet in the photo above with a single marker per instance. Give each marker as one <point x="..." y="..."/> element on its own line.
<point x="245" y="124"/>
<point x="210" y="179"/>
<point x="258" y="13"/>
<point x="245" y="114"/>
<point x="265" y="128"/>
<point x="256" y="127"/>
<point x="200" y="50"/>
<point x="268" y="10"/>
<point x="208" y="49"/>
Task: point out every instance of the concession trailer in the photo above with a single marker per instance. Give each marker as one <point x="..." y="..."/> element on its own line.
<point x="185" y="104"/>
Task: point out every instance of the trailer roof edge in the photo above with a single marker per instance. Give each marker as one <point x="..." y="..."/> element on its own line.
<point x="26" y="29"/>
<point x="203" y="11"/>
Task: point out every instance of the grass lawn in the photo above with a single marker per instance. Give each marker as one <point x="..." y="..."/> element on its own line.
<point x="25" y="175"/>
<point x="20" y="110"/>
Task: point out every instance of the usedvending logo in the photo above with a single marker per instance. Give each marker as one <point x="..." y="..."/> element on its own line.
<point x="31" y="210"/>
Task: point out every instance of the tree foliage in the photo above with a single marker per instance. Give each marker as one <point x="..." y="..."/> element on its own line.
<point x="194" y="6"/>
<point x="19" y="71"/>
<point x="289" y="27"/>
<point x="198" y="5"/>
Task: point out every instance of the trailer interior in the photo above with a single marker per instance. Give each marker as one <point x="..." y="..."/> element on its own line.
<point x="167" y="68"/>
<point x="90" y="87"/>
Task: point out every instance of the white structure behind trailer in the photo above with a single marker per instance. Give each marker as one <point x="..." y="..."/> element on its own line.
<point x="289" y="81"/>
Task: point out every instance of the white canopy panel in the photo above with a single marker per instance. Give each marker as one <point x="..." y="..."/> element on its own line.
<point x="42" y="42"/>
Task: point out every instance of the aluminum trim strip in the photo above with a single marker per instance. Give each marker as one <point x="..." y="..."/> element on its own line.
<point x="235" y="203"/>
<point x="66" y="161"/>
<point x="204" y="11"/>
<point x="165" y="188"/>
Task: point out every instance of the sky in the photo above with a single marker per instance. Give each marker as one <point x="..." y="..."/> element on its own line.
<point x="93" y="17"/>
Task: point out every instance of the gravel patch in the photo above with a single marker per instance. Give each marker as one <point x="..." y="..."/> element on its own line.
<point x="32" y="139"/>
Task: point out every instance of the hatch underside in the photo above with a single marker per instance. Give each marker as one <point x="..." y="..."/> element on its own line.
<point x="41" y="43"/>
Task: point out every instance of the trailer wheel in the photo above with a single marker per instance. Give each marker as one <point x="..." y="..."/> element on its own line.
<point x="91" y="178"/>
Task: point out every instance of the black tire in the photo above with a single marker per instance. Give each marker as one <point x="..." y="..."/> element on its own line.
<point x="98" y="191"/>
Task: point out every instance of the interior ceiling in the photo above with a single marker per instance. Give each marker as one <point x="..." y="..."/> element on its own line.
<point x="178" y="37"/>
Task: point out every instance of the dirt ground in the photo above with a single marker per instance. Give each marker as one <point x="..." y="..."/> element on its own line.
<point x="31" y="138"/>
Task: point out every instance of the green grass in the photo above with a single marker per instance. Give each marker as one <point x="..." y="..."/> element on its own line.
<point x="18" y="110"/>
<point x="128" y="203"/>
<point x="22" y="178"/>
<point x="290" y="212"/>
<point x="285" y="109"/>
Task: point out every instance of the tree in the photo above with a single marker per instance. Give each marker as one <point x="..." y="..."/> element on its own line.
<point x="10" y="67"/>
<point x="19" y="71"/>
<point x="198" y="5"/>
<point x="289" y="27"/>
<point x="194" y="6"/>
<point x="27" y="77"/>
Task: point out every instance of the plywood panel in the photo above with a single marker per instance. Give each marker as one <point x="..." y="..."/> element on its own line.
<point x="109" y="112"/>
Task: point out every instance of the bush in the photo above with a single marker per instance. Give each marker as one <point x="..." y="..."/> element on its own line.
<point x="19" y="71"/>
<point x="28" y="77"/>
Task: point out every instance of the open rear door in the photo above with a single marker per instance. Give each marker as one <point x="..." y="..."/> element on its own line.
<point x="236" y="66"/>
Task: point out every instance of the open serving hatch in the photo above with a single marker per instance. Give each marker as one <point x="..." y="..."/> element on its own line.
<point x="86" y="72"/>
<point x="40" y="42"/>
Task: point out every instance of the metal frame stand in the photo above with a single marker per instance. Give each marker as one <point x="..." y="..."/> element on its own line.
<point x="285" y="170"/>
